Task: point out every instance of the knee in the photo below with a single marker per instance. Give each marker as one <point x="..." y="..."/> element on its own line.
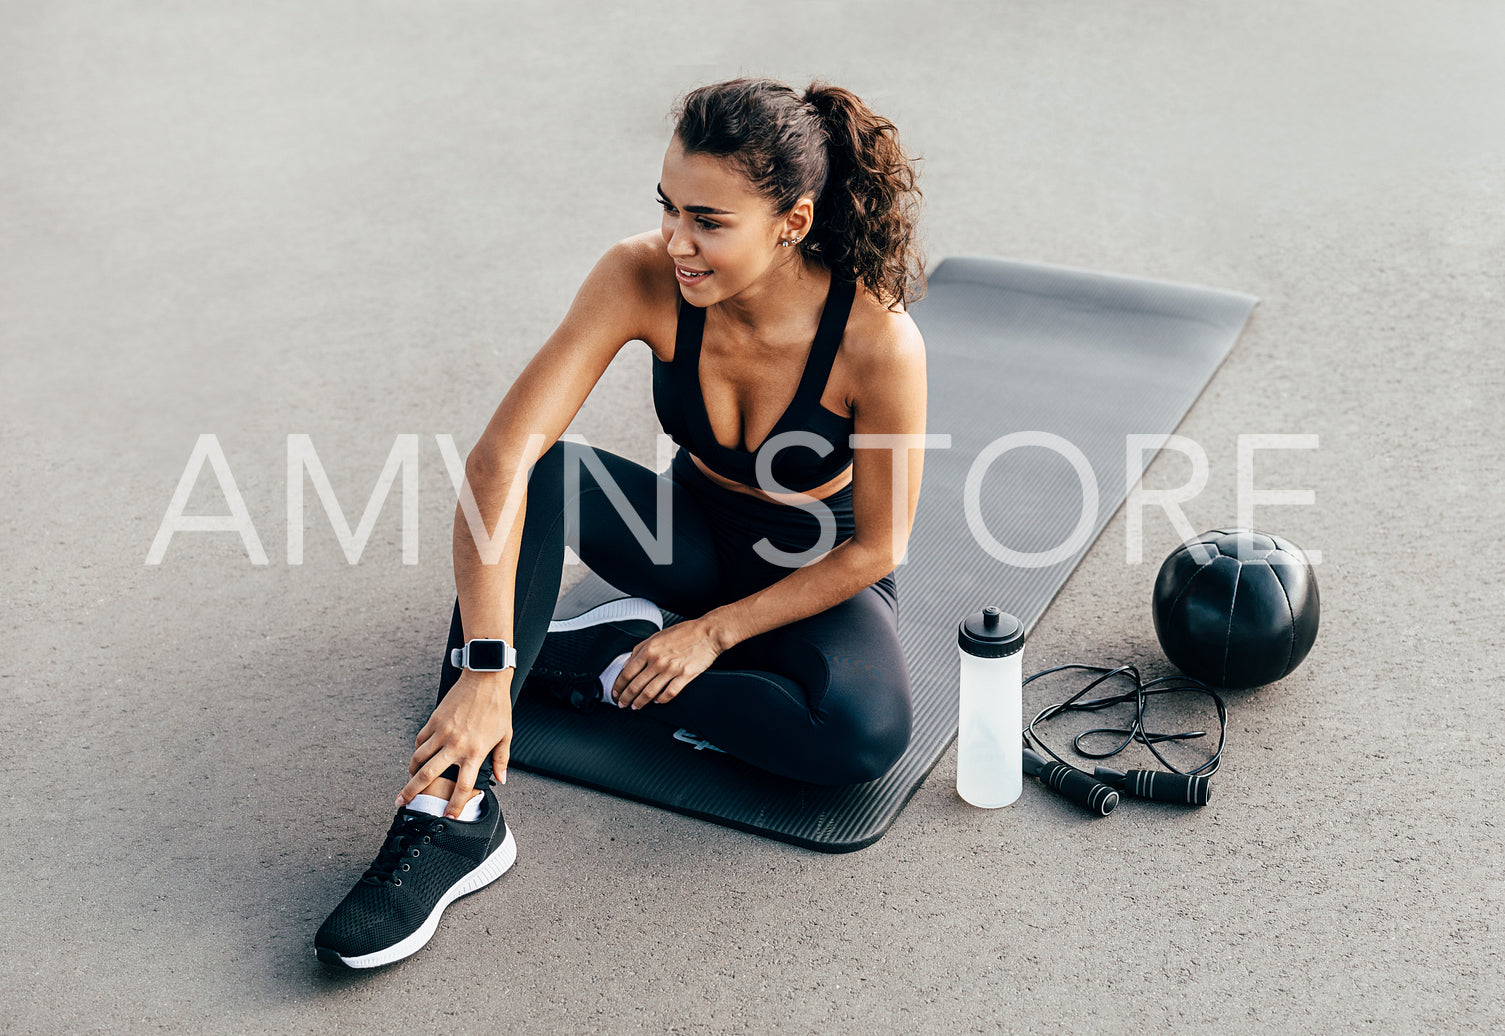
<point x="485" y="473"/>
<point x="549" y="468"/>
<point x="548" y="475"/>
<point x="545" y="480"/>
<point x="870" y="726"/>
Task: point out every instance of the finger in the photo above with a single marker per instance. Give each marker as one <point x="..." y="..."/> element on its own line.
<point x="671" y="690"/>
<point x="422" y="754"/>
<point x="623" y="690"/>
<point x="464" y="788"/>
<point x="635" y="664"/>
<point x="629" y="691"/>
<point x="650" y="690"/>
<point x="426" y="775"/>
<point x="501" y="755"/>
<point x="647" y="672"/>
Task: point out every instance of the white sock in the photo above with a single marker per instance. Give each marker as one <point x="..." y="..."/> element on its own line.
<point x="610" y="674"/>
<point x="433" y="805"/>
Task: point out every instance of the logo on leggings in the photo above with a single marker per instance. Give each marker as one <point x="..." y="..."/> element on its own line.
<point x="700" y="743"/>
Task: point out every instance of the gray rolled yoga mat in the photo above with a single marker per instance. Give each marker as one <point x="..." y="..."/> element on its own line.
<point x="1065" y="362"/>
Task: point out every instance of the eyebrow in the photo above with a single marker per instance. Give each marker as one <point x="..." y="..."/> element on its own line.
<point x="699" y="210"/>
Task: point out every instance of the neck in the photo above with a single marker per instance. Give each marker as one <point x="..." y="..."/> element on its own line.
<point x="770" y="300"/>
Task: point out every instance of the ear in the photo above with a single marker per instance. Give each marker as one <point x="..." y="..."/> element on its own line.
<point x="798" y="221"/>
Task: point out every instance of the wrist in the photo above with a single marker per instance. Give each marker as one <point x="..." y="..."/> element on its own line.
<point x="484" y="655"/>
<point x="721" y="628"/>
<point x="489" y="683"/>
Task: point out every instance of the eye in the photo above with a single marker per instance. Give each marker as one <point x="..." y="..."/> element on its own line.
<point x="707" y="224"/>
<point x="663" y="203"/>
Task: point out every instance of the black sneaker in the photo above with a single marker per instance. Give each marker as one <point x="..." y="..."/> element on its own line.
<point x="425" y="864"/>
<point x="577" y="650"/>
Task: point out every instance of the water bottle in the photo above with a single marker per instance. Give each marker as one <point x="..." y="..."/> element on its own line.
<point x="989" y="747"/>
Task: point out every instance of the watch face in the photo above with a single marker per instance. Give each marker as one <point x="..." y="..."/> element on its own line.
<point x="488" y="654"/>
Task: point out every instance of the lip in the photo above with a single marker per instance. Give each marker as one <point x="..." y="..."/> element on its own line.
<point x="688" y="276"/>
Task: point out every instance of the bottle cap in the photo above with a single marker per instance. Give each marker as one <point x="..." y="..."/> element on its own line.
<point x="990" y="633"/>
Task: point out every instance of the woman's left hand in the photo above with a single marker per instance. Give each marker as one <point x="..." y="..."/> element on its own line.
<point x="662" y="665"/>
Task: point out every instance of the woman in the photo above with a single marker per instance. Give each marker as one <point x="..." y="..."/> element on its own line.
<point x="772" y="298"/>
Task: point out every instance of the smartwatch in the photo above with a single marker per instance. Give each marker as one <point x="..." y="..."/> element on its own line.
<point x="484" y="656"/>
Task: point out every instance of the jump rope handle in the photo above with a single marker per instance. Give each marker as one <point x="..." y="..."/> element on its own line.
<point x="1158" y="786"/>
<point x="1072" y="784"/>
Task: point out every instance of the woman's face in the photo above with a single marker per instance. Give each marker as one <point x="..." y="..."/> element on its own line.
<point x="722" y="235"/>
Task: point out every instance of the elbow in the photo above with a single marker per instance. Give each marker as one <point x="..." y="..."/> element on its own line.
<point x="490" y="471"/>
<point x="876" y="560"/>
<point x="480" y="469"/>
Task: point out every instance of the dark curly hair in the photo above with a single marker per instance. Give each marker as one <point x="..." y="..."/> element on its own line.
<point x="828" y="145"/>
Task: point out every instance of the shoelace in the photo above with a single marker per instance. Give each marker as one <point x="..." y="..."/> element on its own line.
<point x="406" y="830"/>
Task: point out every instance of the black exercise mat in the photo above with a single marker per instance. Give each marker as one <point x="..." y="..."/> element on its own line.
<point x="1013" y="347"/>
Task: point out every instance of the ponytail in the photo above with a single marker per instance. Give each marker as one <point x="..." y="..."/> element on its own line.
<point x="866" y="217"/>
<point x="827" y="145"/>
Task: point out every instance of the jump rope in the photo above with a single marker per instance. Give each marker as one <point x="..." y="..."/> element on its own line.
<point x="1098" y="791"/>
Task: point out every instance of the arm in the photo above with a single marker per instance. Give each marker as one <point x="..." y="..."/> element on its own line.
<point x="891" y="401"/>
<point x="475" y="717"/>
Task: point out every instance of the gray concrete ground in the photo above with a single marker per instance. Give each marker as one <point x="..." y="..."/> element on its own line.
<point x="356" y="220"/>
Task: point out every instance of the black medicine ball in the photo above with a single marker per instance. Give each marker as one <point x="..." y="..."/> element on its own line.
<point x="1236" y="608"/>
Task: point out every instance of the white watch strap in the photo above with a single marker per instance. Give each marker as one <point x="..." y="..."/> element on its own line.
<point x="460" y="657"/>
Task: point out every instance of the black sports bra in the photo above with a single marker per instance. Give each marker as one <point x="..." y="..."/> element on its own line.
<point x="796" y="465"/>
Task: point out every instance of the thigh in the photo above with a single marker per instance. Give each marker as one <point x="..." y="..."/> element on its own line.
<point x="642" y="532"/>
<point x="824" y="699"/>
<point x="617" y="514"/>
<point x="845" y="657"/>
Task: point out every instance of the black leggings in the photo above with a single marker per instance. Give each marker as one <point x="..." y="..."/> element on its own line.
<point x="823" y="700"/>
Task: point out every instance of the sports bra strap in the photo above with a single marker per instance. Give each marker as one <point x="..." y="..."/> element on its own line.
<point x="833" y="323"/>
<point x="686" y="363"/>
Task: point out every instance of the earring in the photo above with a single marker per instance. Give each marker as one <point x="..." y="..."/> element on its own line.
<point x="792" y="241"/>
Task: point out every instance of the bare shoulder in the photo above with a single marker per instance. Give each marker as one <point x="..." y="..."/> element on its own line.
<point x="882" y="341"/>
<point x="636" y="277"/>
<point x="641" y="258"/>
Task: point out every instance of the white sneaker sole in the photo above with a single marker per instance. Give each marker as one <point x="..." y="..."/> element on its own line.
<point x="623" y="609"/>
<point x="491" y="868"/>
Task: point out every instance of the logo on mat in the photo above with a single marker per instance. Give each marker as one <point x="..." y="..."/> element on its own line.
<point x="700" y="743"/>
